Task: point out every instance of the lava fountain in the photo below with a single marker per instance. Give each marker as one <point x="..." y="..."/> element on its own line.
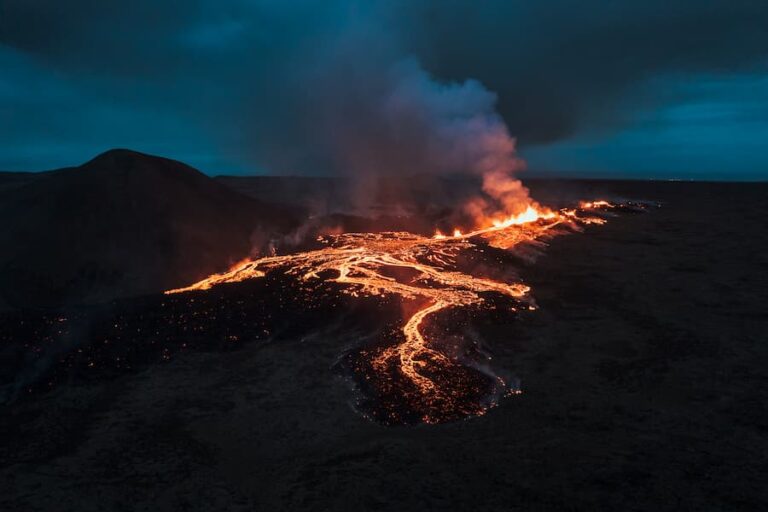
<point x="411" y="378"/>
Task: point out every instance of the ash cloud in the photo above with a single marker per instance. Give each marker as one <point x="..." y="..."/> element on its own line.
<point x="304" y="87"/>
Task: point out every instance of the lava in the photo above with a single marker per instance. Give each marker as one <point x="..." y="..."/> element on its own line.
<point x="361" y="263"/>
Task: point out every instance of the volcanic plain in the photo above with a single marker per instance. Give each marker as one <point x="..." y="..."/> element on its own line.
<point x="642" y="373"/>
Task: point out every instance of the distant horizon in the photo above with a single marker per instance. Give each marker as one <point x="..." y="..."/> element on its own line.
<point x="526" y="175"/>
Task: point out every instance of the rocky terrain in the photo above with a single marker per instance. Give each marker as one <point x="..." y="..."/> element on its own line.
<point x="642" y="371"/>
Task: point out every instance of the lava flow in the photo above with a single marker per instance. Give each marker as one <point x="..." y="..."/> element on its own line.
<point x="410" y="377"/>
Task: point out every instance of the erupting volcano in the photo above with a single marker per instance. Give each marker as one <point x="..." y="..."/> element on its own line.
<point x="423" y="371"/>
<point x="413" y="375"/>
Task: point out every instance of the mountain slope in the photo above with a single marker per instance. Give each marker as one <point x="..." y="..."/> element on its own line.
<point x="122" y="224"/>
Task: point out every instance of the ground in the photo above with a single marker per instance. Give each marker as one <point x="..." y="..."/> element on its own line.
<point x="643" y="374"/>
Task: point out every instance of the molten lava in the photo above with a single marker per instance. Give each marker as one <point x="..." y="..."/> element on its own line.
<point x="436" y="386"/>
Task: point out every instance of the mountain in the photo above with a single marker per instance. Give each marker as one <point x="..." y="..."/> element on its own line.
<point x="12" y="180"/>
<point x="122" y="224"/>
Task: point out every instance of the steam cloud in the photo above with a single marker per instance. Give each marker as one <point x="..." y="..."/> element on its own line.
<point x="364" y="108"/>
<point x="411" y="123"/>
<point x="405" y="122"/>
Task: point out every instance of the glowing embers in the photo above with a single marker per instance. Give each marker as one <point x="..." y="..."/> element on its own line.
<point x="416" y="374"/>
<point x="240" y="271"/>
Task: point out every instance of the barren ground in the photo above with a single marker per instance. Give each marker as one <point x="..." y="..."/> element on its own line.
<point x="643" y="374"/>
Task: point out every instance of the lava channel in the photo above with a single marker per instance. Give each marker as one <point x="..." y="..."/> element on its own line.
<point x="410" y="377"/>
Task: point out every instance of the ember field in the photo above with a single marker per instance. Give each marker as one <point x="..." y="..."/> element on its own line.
<point x="642" y="373"/>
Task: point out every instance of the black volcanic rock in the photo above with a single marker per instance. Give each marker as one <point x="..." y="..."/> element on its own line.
<point x="643" y="370"/>
<point x="123" y="224"/>
<point x="12" y="180"/>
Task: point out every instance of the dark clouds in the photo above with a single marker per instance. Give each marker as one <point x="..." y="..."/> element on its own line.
<point x="297" y="86"/>
<point x="561" y="65"/>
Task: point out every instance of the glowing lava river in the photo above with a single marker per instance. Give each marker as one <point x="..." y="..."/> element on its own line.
<point x="415" y="375"/>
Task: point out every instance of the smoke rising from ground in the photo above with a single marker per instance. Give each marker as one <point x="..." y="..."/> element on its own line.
<point x="363" y="107"/>
<point x="399" y="121"/>
<point x="406" y="121"/>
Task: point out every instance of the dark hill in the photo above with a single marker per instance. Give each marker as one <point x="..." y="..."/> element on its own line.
<point x="11" y="180"/>
<point x="124" y="223"/>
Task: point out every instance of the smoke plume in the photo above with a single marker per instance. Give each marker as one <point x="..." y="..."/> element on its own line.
<point x="403" y="122"/>
<point x="368" y="110"/>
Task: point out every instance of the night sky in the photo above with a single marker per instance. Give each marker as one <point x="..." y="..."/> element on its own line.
<point x="642" y="89"/>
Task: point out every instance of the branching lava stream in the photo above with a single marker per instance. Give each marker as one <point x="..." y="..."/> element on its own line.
<point x="411" y="378"/>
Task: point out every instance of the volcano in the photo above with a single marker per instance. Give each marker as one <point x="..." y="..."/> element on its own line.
<point x="428" y="370"/>
<point x="122" y="224"/>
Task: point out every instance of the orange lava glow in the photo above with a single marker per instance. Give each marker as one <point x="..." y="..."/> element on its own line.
<point x="588" y="205"/>
<point x="362" y="263"/>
